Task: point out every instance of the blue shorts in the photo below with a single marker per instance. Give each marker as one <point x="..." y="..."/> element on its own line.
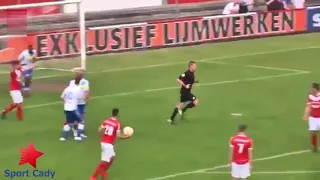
<point x="81" y="109"/>
<point x="72" y="117"/>
<point x="28" y="73"/>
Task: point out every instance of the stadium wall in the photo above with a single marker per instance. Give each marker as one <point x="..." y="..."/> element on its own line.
<point x="102" y="5"/>
<point x="37" y="11"/>
<point x="170" y="33"/>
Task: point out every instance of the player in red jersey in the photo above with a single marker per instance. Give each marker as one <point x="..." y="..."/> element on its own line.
<point x="15" y="92"/>
<point x="240" y="155"/>
<point x="109" y="131"/>
<point x="312" y="114"/>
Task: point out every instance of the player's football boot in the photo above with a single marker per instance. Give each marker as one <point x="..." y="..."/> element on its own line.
<point x="315" y="149"/>
<point x="78" y="138"/>
<point x="62" y="139"/>
<point x="83" y="135"/>
<point x="93" y="178"/>
<point x="3" y="116"/>
<point x="171" y="122"/>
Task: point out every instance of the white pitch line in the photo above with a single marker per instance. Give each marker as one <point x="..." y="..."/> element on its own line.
<point x="268" y="172"/>
<point x="255" y="66"/>
<point x="175" y="87"/>
<point x="176" y="63"/>
<point x="183" y="62"/>
<point x="225" y="166"/>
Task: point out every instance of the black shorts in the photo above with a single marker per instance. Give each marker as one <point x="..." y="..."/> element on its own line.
<point x="187" y="97"/>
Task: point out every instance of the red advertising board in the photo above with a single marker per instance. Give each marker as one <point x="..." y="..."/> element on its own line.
<point x="188" y="1"/>
<point x="162" y="34"/>
<point x="32" y="11"/>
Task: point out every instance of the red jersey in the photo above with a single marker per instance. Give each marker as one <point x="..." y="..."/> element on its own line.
<point x="241" y="146"/>
<point x="314" y="101"/>
<point x="15" y="80"/>
<point x="112" y="127"/>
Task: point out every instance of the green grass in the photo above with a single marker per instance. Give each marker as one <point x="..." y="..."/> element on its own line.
<point x="271" y="101"/>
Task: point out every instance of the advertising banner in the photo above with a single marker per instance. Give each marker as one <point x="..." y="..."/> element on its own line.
<point x="161" y="34"/>
<point x="314" y="18"/>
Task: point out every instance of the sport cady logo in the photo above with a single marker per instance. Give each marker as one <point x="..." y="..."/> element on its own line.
<point x="29" y="155"/>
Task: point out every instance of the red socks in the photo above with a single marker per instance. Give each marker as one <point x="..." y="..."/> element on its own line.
<point x="102" y="168"/>
<point x="19" y="112"/>
<point x="314" y="140"/>
<point x="9" y="108"/>
<point x="99" y="169"/>
<point x="12" y="107"/>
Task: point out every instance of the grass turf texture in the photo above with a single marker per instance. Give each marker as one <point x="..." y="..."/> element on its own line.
<point x="271" y="101"/>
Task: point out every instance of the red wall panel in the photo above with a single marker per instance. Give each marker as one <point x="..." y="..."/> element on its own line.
<point x="34" y="11"/>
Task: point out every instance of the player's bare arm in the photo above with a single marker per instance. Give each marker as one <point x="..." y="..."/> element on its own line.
<point x="250" y="157"/>
<point x="121" y="135"/>
<point x="101" y="130"/>
<point x="182" y="84"/>
<point x="86" y="95"/>
<point x="307" y="111"/>
<point x="230" y="154"/>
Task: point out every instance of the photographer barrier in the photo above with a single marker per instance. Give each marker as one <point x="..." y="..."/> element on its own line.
<point x="171" y="33"/>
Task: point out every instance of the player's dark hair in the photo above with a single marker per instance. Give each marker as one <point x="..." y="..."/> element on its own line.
<point x="316" y="86"/>
<point x="242" y="128"/>
<point x="115" y="112"/>
<point x="191" y="63"/>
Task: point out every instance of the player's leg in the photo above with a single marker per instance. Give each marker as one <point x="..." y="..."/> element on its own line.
<point x="17" y="103"/>
<point x="314" y="141"/>
<point x="177" y="109"/>
<point x="27" y="81"/>
<point x="193" y="102"/>
<point x="107" y="157"/>
<point x="82" y="112"/>
<point x="67" y="125"/>
<point x="80" y="127"/>
<point x="313" y="128"/>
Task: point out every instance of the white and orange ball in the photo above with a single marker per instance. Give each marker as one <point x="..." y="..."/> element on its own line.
<point x="128" y="131"/>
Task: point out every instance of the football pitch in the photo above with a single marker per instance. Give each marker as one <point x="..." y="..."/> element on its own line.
<point x="263" y="83"/>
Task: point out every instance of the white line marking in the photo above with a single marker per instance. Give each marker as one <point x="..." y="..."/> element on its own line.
<point x="269" y="172"/>
<point x="183" y="62"/>
<point x="224" y="166"/>
<point x="259" y="67"/>
<point x="175" y="87"/>
<point x="55" y="69"/>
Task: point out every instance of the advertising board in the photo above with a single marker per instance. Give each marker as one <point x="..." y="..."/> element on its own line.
<point x="314" y="18"/>
<point x="162" y="34"/>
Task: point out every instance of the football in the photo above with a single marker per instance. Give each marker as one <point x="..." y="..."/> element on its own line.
<point x="128" y="131"/>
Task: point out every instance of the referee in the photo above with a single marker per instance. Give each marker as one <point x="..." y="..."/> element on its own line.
<point x="187" y="99"/>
